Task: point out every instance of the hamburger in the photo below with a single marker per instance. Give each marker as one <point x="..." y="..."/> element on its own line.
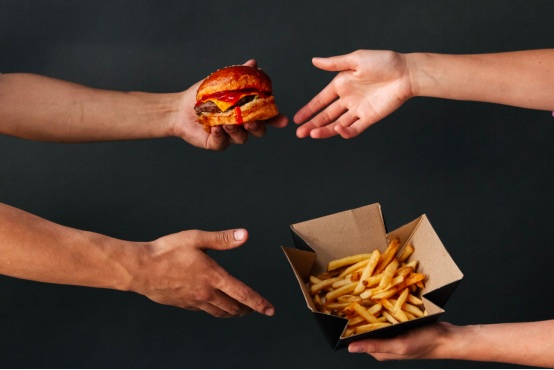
<point x="235" y="95"/>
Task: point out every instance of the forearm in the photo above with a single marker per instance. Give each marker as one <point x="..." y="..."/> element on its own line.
<point x="36" y="249"/>
<point x="530" y="343"/>
<point x="522" y="78"/>
<point x="46" y="109"/>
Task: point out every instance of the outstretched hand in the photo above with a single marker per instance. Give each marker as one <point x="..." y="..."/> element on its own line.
<point x="370" y="85"/>
<point x="177" y="271"/>
<point x="220" y="137"/>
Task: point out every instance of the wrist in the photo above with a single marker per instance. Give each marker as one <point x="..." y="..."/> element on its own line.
<point x="159" y="113"/>
<point x="419" y="75"/>
<point x="135" y="264"/>
<point x="456" y="341"/>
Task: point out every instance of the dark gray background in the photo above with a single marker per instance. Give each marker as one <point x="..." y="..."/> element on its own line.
<point x="481" y="172"/>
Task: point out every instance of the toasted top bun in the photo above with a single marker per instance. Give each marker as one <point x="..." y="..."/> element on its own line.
<point x="234" y="78"/>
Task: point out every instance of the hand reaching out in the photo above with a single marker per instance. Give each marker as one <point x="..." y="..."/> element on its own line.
<point x="369" y="86"/>
<point x="177" y="271"/>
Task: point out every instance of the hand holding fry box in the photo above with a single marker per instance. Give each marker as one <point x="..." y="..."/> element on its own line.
<point x="361" y="282"/>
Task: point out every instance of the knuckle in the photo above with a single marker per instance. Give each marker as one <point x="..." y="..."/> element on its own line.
<point x="203" y="295"/>
<point x="224" y="237"/>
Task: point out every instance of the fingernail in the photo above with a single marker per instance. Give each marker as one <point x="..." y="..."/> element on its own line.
<point x="239" y="234"/>
<point x="354" y="348"/>
<point x="270" y="311"/>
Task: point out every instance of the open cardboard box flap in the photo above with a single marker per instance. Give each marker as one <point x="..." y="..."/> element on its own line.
<point x="362" y="230"/>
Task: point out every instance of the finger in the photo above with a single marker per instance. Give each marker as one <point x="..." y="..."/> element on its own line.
<point x="367" y="346"/>
<point x="352" y="131"/>
<point x="343" y="124"/>
<point x="256" y="128"/>
<point x="324" y="132"/>
<point x="278" y="121"/>
<point x="247" y="296"/>
<point x="236" y="134"/>
<point x="220" y="240"/>
<point x="213" y="310"/>
<point x="324" y="118"/>
<point x="321" y="100"/>
<point x="251" y="63"/>
<point x="230" y="305"/>
<point x="335" y="63"/>
<point x="217" y="139"/>
<point x="329" y="114"/>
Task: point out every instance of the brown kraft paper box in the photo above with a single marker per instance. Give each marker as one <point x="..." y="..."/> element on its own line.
<point x="362" y="230"/>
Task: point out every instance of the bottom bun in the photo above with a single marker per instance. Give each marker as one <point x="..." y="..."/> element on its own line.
<point x="256" y="110"/>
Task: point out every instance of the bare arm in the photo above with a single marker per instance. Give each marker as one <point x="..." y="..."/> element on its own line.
<point x="47" y="109"/>
<point x="371" y="84"/>
<point x="529" y="343"/>
<point x="521" y="78"/>
<point x="172" y="270"/>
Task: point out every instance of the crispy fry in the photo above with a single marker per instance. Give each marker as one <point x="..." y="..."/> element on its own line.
<point x="346" y="261"/>
<point x="341" y="282"/>
<point x="349" y="298"/>
<point x="340" y="291"/>
<point x="314" y="280"/>
<point x="336" y="305"/>
<point x="384" y="294"/>
<point x="404" y="270"/>
<point x="388" y="255"/>
<point x="372" y="281"/>
<point x="364" y="313"/>
<point x="375" y="309"/>
<point x="388" y="273"/>
<point x="368" y="327"/>
<point x="356" y="276"/>
<point x="399" y="315"/>
<point x="355" y="267"/>
<point x="414" y="300"/>
<point x="368" y="271"/>
<point x="390" y="318"/>
<point x="413" y="310"/>
<point x="323" y="284"/>
<point x="405" y="253"/>
<point x="401" y="299"/>
<point x="356" y="321"/>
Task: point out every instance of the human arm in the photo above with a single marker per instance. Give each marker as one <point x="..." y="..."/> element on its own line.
<point x="528" y="343"/>
<point x="47" y="109"/>
<point x="371" y="84"/>
<point x="172" y="270"/>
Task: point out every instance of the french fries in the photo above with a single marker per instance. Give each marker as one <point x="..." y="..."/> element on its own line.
<point x="371" y="290"/>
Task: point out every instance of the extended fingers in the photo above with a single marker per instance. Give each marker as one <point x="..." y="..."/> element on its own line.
<point x="245" y="295"/>
<point x="320" y="101"/>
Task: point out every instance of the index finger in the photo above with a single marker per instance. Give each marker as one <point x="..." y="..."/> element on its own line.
<point x="241" y="292"/>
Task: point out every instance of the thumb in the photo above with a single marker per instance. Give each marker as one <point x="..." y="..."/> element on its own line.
<point x="335" y="64"/>
<point x="222" y="240"/>
<point x="251" y="63"/>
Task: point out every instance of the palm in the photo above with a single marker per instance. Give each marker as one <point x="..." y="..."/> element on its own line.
<point x="374" y="85"/>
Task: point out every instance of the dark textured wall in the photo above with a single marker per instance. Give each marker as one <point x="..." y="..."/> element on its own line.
<point x="481" y="172"/>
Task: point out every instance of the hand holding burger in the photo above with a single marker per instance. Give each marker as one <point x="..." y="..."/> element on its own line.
<point x="235" y="95"/>
<point x="186" y="119"/>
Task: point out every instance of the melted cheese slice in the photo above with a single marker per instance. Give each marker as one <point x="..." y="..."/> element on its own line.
<point x="230" y="99"/>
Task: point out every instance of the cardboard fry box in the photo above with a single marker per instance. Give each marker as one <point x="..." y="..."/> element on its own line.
<point x="362" y="230"/>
